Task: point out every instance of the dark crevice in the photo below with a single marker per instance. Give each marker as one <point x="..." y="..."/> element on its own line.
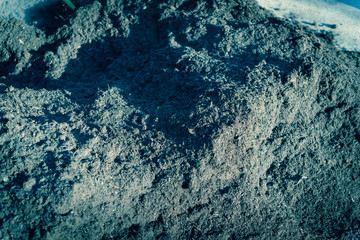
<point x="48" y="16"/>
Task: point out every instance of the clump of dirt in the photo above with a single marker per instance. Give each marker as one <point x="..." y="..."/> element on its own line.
<point x="176" y="119"/>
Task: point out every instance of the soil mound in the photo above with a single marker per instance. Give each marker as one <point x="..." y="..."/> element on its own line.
<point x="176" y="120"/>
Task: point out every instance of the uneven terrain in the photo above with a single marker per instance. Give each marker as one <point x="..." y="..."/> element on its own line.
<point x="176" y="120"/>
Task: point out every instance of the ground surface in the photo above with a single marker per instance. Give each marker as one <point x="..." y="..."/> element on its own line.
<point x="176" y="120"/>
<point x="340" y="18"/>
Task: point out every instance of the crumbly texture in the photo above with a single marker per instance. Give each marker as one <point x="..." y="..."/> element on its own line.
<point x="200" y="119"/>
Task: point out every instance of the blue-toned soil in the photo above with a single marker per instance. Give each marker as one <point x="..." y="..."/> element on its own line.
<point x="175" y="120"/>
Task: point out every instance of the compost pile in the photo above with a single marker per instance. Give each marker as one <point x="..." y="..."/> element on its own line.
<point x="170" y="119"/>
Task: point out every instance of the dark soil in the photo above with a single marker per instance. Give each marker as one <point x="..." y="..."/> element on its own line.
<point x="175" y="120"/>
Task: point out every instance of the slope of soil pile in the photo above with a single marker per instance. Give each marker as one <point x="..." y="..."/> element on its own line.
<point x="176" y="120"/>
